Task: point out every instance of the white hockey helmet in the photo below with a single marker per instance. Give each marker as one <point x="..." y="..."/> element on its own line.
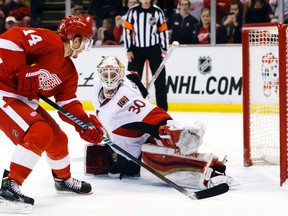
<point x="110" y="71"/>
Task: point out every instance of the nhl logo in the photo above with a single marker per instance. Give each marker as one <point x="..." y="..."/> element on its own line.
<point x="15" y="133"/>
<point x="152" y="21"/>
<point x="204" y="64"/>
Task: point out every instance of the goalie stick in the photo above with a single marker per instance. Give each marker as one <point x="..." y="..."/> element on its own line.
<point x="161" y="66"/>
<point x="202" y="194"/>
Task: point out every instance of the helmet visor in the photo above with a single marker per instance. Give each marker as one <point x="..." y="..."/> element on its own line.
<point x="87" y="42"/>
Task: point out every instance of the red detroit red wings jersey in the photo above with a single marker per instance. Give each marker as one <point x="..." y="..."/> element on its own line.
<point x="27" y="46"/>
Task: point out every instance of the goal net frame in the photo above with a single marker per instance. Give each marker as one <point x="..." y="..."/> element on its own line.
<point x="256" y="38"/>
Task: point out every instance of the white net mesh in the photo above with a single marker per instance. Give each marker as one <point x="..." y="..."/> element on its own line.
<point x="264" y="95"/>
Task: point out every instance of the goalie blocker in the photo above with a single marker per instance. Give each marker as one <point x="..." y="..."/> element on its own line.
<point x="196" y="170"/>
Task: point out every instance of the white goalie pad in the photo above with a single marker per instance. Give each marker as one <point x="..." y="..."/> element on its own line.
<point x="192" y="171"/>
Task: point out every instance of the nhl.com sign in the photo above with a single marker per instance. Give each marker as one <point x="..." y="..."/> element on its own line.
<point x="193" y="85"/>
<point x="207" y="78"/>
<point x="194" y="74"/>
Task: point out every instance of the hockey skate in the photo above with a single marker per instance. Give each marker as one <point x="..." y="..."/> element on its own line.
<point x="12" y="200"/>
<point x="218" y="175"/>
<point x="71" y="185"/>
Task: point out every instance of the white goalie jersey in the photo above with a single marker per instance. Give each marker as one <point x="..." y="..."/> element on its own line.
<point x="126" y="106"/>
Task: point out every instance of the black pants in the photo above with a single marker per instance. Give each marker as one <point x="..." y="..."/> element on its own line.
<point x="153" y="55"/>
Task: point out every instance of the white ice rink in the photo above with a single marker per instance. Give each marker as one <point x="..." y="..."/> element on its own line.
<point x="259" y="192"/>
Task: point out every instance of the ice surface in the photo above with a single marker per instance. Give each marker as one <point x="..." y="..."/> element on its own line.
<point x="259" y="192"/>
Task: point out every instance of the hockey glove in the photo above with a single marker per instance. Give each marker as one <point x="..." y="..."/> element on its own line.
<point x="28" y="81"/>
<point x="94" y="132"/>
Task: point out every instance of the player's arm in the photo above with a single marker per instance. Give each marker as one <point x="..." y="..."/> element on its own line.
<point x="67" y="100"/>
<point x="94" y="132"/>
<point x="134" y="77"/>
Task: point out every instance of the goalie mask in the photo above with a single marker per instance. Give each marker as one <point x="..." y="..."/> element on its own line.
<point x="110" y="71"/>
<point x="73" y="26"/>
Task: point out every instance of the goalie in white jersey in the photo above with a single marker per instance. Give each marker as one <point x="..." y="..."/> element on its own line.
<point x="146" y="131"/>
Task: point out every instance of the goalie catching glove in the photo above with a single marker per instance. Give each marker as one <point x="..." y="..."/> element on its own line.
<point x="28" y="81"/>
<point x="93" y="133"/>
<point x="186" y="138"/>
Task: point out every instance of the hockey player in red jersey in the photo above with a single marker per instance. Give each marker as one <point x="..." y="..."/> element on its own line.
<point x="143" y="129"/>
<point x="36" y="60"/>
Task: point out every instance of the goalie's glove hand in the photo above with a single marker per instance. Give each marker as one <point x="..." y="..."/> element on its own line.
<point x="28" y="81"/>
<point x="94" y="132"/>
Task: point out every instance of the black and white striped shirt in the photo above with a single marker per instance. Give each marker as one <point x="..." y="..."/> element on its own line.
<point x="145" y="28"/>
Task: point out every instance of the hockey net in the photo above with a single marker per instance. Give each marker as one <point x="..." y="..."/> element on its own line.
<point x="265" y="96"/>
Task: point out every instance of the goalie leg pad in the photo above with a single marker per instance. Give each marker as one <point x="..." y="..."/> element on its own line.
<point x="167" y="164"/>
<point x="194" y="170"/>
<point x="101" y="159"/>
<point x="96" y="159"/>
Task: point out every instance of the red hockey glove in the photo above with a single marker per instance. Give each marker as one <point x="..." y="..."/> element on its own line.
<point x="94" y="132"/>
<point x="28" y="81"/>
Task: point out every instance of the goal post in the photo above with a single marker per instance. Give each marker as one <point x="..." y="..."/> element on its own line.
<point x="265" y="95"/>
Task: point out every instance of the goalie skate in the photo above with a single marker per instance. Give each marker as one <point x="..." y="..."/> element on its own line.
<point x="220" y="179"/>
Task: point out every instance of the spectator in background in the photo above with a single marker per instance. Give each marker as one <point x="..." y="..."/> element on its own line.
<point x="242" y="2"/>
<point x="181" y="25"/>
<point x="194" y="9"/>
<point x="2" y="17"/>
<point x="101" y="9"/>
<point x="119" y="21"/>
<point x="274" y="5"/>
<point x="36" y="12"/>
<point x="77" y="9"/>
<point x="10" y="22"/>
<point x="105" y="33"/>
<point x="256" y="11"/>
<point x="20" y="9"/>
<point x="222" y="8"/>
<point x="274" y="19"/>
<point x="202" y="29"/>
<point x="230" y="29"/>
<point x="167" y="6"/>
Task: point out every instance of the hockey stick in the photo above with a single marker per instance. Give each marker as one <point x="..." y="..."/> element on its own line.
<point x="210" y="192"/>
<point x="161" y="66"/>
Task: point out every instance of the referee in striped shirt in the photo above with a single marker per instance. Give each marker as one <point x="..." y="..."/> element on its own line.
<point x="146" y="37"/>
